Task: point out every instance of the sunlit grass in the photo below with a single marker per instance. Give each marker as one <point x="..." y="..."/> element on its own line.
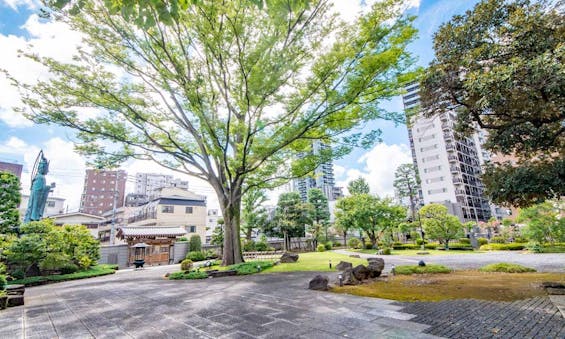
<point x="315" y="261"/>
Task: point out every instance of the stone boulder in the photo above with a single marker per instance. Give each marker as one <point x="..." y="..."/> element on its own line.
<point x="343" y="265"/>
<point x="375" y="267"/>
<point x="289" y="257"/>
<point x="360" y="272"/>
<point x="348" y="278"/>
<point x="319" y="283"/>
<point x="15" y="289"/>
<point x="15" y="300"/>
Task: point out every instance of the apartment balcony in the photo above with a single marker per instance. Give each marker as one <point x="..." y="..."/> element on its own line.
<point x="457" y="181"/>
<point x="455" y="169"/>
<point x="453" y="158"/>
<point x="449" y="146"/>
<point x="460" y="192"/>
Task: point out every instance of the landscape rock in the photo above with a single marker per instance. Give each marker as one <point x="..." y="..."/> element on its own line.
<point x="421" y="263"/>
<point x="375" y="267"/>
<point x="15" y="289"/>
<point x="289" y="257"/>
<point x="219" y="274"/>
<point x="343" y="265"/>
<point x="319" y="283"/>
<point x="15" y="300"/>
<point x="348" y="278"/>
<point x="360" y="272"/>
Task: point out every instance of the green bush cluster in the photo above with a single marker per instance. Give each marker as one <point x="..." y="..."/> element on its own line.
<point x="419" y="241"/>
<point x="328" y="246"/>
<point x="498" y="240"/>
<point x="201" y="255"/>
<point x="465" y="241"/>
<point x="534" y="247"/>
<point x="503" y="247"/>
<point x="482" y="241"/>
<point x="93" y="271"/>
<point x="460" y="247"/>
<point x="386" y="251"/>
<point x="337" y="244"/>
<point x="354" y="243"/>
<point x="368" y="246"/>
<point x="251" y="267"/>
<point x="259" y="246"/>
<point x="195" y="243"/>
<point x="415" y="269"/>
<point x="186" y="265"/>
<point x="506" y="268"/>
<point x="321" y="248"/>
<point x="188" y="275"/>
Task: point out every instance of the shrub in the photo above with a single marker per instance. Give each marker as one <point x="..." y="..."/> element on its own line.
<point x="405" y="247"/>
<point x="354" y="243"/>
<point x="211" y="254"/>
<point x="249" y="246"/>
<point x="368" y="246"/>
<point x="482" y="241"/>
<point x="460" y="247"/>
<point x="534" y="247"/>
<point x="195" y="243"/>
<point x="415" y="269"/>
<point x="419" y="241"/>
<point x="54" y="261"/>
<point x="520" y="239"/>
<point x="328" y="246"/>
<point x="72" y="268"/>
<point x="18" y="274"/>
<point x="188" y="275"/>
<point x="321" y="248"/>
<point x="251" y="267"/>
<point x="182" y="239"/>
<point x="431" y="246"/>
<point x="85" y="262"/>
<point x="3" y="282"/>
<point x="502" y="247"/>
<point x="498" y="240"/>
<point x="196" y="256"/>
<point x="261" y="246"/>
<point x="386" y="251"/>
<point x="465" y="241"/>
<point x="506" y="268"/>
<point x="337" y="244"/>
<point x="186" y="265"/>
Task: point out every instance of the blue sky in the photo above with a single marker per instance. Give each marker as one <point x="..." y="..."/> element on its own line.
<point x="20" y="140"/>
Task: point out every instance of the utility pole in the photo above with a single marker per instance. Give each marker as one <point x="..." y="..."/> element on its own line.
<point x="115" y="203"/>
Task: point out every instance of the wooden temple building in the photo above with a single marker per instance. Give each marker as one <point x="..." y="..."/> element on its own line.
<point x="160" y="241"/>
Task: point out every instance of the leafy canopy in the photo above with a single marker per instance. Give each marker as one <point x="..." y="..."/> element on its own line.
<point x="501" y="67"/>
<point x="438" y="224"/>
<point x="10" y="198"/>
<point x="358" y="186"/>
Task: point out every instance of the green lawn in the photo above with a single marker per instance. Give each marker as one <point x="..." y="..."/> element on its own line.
<point x="315" y="261"/>
<point x="415" y="252"/>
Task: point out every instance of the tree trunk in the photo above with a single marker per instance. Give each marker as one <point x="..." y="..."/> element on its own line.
<point x="232" y="242"/>
<point x="345" y="238"/>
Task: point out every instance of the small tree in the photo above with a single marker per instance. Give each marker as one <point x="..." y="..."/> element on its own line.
<point x="358" y="186"/>
<point x="10" y="198"/>
<point x="545" y="222"/>
<point x="344" y="219"/>
<point x="218" y="235"/>
<point x="195" y="243"/>
<point x="253" y="214"/>
<point x="319" y="213"/>
<point x="291" y="216"/>
<point x="438" y="224"/>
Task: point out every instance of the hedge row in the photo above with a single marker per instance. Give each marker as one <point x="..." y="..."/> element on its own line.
<point x="503" y="247"/>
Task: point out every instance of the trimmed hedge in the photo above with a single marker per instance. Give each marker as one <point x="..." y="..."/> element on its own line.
<point x="321" y="248"/>
<point x="460" y="247"/>
<point x="503" y="247"/>
<point x="415" y="269"/>
<point x="505" y="267"/>
<point x="188" y="275"/>
<point x="94" y="271"/>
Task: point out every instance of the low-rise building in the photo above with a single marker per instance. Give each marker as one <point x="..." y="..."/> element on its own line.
<point x="92" y="222"/>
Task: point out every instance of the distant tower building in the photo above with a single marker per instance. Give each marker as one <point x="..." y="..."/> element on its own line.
<point x="13" y="168"/>
<point x="100" y="188"/>
<point x="149" y="184"/>
<point x="322" y="178"/>
<point x="449" y="164"/>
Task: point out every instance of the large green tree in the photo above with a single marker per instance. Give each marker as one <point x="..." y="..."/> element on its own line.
<point x="253" y="213"/>
<point x="319" y="213"/>
<point x="501" y="65"/>
<point x="10" y="198"/>
<point x="544" y="222"/>
<point x="225" y="91"/>
<point x="440" y="225"/>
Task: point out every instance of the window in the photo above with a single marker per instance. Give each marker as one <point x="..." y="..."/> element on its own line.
<point x="168" y="209"/>
<point x="432" y="180"/>
<point x="428" y="148"/>
<point x="50" y="203"/>
<point x="164" y="249"/>
<point x="431" y="158"/>
<point x="188" y="210"/>
<point x="191" y="229"/>
<point x="427" y="137"/>
<point x="432" y="169"/>
<point x="439" y="190"/>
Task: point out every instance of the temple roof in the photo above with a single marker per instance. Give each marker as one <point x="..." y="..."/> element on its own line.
<point x="126" y="232"/>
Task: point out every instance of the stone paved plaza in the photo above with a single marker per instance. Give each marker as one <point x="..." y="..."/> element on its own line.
<point x="142" y="304"/>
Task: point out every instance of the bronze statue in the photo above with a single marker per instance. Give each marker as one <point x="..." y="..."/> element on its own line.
<point x="39" y="190"/>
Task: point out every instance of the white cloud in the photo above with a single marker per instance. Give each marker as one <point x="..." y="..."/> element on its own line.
<point x="14" y="4"/>
<point x="47" y="39"/>
<point x="349" y="10"/>
<point x="378" y="167"/>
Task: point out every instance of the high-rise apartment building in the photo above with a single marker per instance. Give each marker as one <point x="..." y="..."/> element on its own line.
<point x="13" y="168"/>
<point x="322" y="178"/>
<point x="101" y="187"/>
<point x="449" y="164"/>
<point x="150" y="184"/>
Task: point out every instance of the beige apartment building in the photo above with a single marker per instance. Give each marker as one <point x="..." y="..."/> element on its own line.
<point x="174" y="207"/>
